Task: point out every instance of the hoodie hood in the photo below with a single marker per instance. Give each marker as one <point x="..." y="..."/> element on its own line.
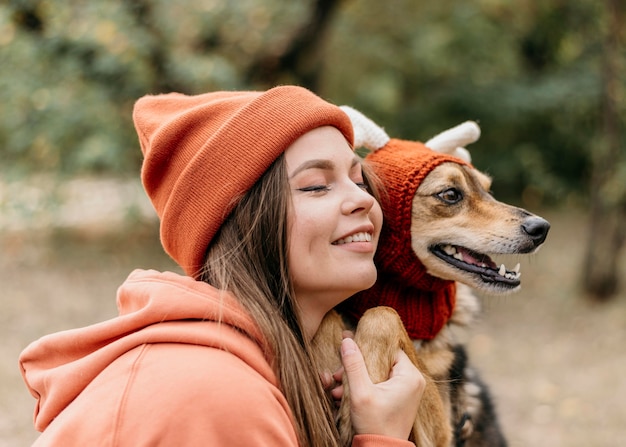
<point x="153" y="308"/>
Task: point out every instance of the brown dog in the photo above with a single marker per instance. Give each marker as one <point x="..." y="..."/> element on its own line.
<point x="441" y="226"/>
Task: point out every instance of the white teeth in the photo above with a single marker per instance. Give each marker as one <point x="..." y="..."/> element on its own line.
<point x="515" y="274"/>
<point x="502" y="270"/>
<point x="357" y="237"/>
<point x="450" y="250"/>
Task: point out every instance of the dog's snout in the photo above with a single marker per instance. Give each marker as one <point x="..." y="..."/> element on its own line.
<point x="537" y="229"/>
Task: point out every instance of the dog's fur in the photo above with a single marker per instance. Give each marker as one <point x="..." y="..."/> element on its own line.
<point x="456" y="224"/>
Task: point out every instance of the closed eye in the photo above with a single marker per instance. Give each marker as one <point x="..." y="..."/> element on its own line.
<point x="315" y="188"/>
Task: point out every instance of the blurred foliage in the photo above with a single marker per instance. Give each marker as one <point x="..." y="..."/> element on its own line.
<point x="527" y="70"/>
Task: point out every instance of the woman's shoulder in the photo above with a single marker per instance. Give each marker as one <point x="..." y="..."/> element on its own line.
<point x="176" y="394"/>
<point x="189" y="368"/>
<point x="170" y="369"/>
<point x="212" y="393"/>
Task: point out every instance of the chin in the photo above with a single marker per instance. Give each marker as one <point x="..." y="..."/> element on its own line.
<point x="367" y="281"/>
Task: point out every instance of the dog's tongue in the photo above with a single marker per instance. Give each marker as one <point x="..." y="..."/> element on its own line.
<point x="475" y="258"/>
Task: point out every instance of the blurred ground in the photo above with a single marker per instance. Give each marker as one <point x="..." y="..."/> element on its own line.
<point x="554" y="361"/>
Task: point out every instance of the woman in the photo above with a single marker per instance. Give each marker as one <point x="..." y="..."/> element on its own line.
<point x="264" y="206"/>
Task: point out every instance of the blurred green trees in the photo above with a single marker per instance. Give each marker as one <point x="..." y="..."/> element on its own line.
<point x="532" y="72"/>
<point x="529" y="72"/>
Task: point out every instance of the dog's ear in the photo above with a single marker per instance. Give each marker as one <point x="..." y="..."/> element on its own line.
<point x="367" y="133"/>
<point x="454" y="140"/>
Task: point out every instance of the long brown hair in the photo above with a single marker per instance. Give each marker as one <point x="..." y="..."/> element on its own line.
<point x="248" y="257"/>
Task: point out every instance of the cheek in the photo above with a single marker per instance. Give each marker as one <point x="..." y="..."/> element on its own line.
<point x="308" y="235"/>
<point x="310" y="221"/>
<point x="376" y="216"/>
<point x="303" y="233"/>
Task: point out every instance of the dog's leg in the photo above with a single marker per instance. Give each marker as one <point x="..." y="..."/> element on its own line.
<point x="379" y="334"/>
<point x="474" y="413"/>
<point x="327" y="342"/>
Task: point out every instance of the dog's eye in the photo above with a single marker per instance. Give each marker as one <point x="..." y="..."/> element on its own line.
<point x="451" y="195"/>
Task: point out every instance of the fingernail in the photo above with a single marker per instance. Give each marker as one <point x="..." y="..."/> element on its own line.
<point x="348" y="346"/>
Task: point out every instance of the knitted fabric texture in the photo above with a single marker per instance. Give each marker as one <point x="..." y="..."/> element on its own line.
<point x="202" y="153"/>
<point x="424" y="302"/>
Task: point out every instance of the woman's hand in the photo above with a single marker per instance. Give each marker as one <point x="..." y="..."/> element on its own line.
<point x="387" y="408"/>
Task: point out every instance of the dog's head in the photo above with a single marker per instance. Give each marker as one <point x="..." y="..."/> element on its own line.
<point x="457" y="225"/>
<point x="439" y="208"/>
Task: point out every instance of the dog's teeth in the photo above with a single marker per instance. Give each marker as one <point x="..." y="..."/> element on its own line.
<point x="450" y="250"/>
<point x="502" y="270"/>
<point x="516" y="269"/>
<point x="510" y="275"/>
<point x="458" y="256"/>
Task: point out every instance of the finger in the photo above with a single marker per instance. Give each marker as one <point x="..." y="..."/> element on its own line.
<point x="402" y="364"/>
<point x="404" y="368"/>
<point x="354" y="365"/>
<point x="327" y="379"/>
<point x="338" y="375"/>
<point x="337" y="392"/>
<point x="401" y="357"/>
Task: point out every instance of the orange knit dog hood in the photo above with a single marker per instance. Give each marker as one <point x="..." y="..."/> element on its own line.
<point x="425" y="303"/>
<point x="203" y="152"/>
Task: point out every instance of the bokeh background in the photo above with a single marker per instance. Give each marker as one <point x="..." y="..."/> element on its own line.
<point x="545" y="79"/>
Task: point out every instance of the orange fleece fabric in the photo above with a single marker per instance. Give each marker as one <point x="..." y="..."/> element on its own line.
<point x="424" y="302"/>
<point x="182" y="365"/>
<point x="203" y="152"/>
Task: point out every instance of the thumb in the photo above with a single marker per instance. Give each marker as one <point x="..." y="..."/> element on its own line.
<point x="354" y="365"/>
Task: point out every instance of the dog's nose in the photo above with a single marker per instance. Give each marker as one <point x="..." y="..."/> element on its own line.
<point x="537" y="228"/>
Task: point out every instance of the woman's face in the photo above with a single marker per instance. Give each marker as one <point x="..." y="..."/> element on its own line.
<point x="334" y="224"/>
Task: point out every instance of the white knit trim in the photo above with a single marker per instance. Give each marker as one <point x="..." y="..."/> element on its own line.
<point x="452" y="141"/>
<point x="367" y="134"/>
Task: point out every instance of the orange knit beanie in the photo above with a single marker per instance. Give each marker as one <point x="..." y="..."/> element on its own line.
<point x="203" y="152"/>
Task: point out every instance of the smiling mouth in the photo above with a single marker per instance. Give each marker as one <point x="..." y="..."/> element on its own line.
<point x="356" y="237"/>
<point x="478" y="264"/>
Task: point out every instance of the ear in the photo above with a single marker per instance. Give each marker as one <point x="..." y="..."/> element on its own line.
<point x="367" y="133"/>
<point x="452" y="141"/>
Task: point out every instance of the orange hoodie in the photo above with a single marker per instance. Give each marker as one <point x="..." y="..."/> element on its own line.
<point x="181" y="365"/>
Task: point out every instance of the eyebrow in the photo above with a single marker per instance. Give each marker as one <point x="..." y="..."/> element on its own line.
<point x="326" y="165"/>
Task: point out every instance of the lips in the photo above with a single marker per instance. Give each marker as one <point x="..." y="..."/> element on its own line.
<point x="361" y="236"/>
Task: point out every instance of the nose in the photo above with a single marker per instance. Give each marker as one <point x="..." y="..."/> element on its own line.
<point x="537" y="229"/>
<point x="359" y="199"/>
